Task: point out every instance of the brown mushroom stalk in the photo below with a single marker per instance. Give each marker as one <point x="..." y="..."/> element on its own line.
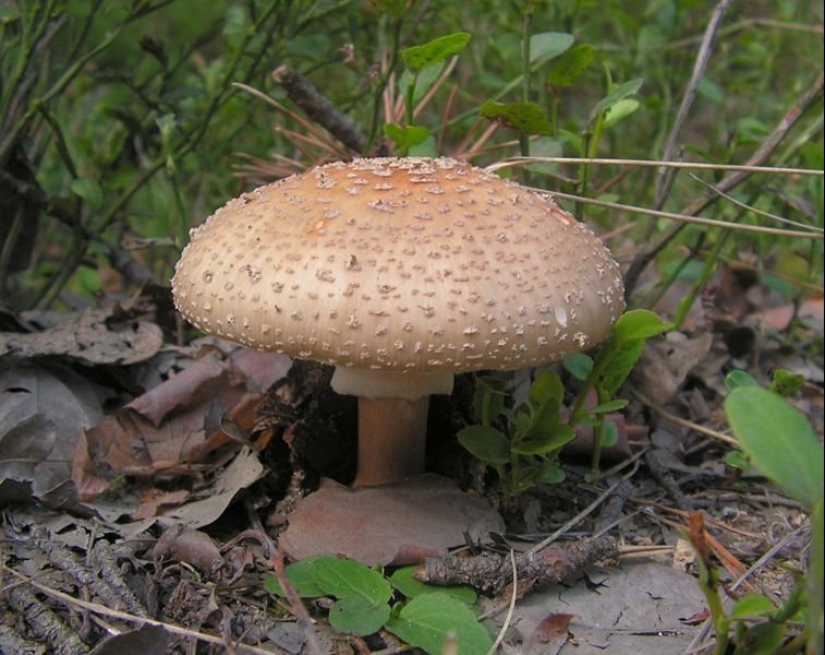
<point x="392" y="420"/>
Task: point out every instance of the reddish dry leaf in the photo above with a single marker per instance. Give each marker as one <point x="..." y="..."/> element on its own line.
<point x="190" y="546"/>
<point x="550" y="635"/>
<point x="176" y="424"/>
<point x="698" y="618"/>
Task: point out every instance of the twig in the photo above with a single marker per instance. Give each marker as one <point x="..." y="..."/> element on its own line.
<point x="686" y="217"/>
<point x="665" y="177"/>
<point x="510" y="608"/>
<point x="587" y="510"/>
<point x="295" y="603"/>
<point x="489" y="573"/>
<point x="665" y="479"/>
<point x="509" y="162"/>
<point x="301" y="91"/>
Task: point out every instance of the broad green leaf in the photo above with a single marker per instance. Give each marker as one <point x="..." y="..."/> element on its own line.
<point x="89" y="190"/>
<point x="489" y="398"/>
<point x="762" y="639"/>
<point x="525" y="117"/>
<point x="739" y="378"/>
<point x="608" y="435"/>
<point x="639" y="324"/>
<point x="544" y="418"/>
<point x="609" y="406"/>
<point x="485" y="443"/>
<point x="426" y="621"/>
<point x="301" y="577"/>
<point x="619" y="111"/>
<point x="404" y="581"/>
<point x="406" y="136"/>
<point x="419" y="57"/>
<point x="569" y="67"/>
<point x="546" y="385"/>
<point x="545" y="443"/>
<point x="345" y="578"/>
<point x="553" y="475"/>
<point x="547" y="45"/>
<point x="578" y="365"/>
<point x="424" y="80"/>
<point x="619" y="93"/>
<point x="752" y="606"/>
<point x="779" y="440"/>
<point x="358" y="615"/>
<point x="623" y="358"/>
<point x="786" y="383"/>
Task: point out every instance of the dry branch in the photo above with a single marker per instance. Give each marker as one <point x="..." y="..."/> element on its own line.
<point x="491" y="573"/>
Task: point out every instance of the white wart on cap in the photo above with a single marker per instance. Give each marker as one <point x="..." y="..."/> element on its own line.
<point x="405" y="265"/>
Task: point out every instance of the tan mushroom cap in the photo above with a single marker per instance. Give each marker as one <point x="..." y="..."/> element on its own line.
<point x="400" y="264"/>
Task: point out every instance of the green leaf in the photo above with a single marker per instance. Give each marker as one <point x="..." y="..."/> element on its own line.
<point x="569" y="67"/>
<point x="779" y="440"/>
<point x="546" y="385"/>
<point x="786" y="383"/>
<point x="89" y="190"/>
<point x="548" y="45"/>
<point x="752" y="606"/>
<point x="404" y="581"/>
<point x="553" y="475"/>
<point x="739" y="378"/>
<point x="619" y="93"/>
<point x="485" y="443"/>
<point x="738" y="460"/>
<point x="639" y="324"/>
<point x="525" y="117"/>
<point x="426" y="621"/>
<point x="406" y="136"/>
<point x="301" y="577"/>
<point x="345" y="578"/>
<point x="619" y="111"/>
<point x="623" y="358"/>
<point x="489" y="398"/>
<point x="544" y="418"/>
<point x="545" y="443"/>
<point x="609" y="406"/>
<point x="419" y="57"/>
<point x="358" y="615"/>
<point x="608" y="435"/>
<point x="578" y="365"/>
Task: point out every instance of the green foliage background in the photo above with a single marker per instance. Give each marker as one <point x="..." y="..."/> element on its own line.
<point x="120" y="125"/>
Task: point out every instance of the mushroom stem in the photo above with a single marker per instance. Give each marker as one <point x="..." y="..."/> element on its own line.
<point x="392" y="439"/>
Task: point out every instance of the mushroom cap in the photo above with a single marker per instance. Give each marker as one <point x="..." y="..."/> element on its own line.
<point x="400" y="264"/>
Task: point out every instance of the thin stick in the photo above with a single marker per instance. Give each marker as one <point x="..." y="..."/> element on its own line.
<point x="653" y="163"/>
<point x="664" y="178"/>
<point x="510" y="608"/>
<point x="685" y="218"/>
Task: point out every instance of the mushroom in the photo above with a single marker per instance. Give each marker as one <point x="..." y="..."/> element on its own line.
<point x="400" y="272"/>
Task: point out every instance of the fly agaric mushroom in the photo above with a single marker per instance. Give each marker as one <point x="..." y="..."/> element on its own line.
<point x="400" y="272"/>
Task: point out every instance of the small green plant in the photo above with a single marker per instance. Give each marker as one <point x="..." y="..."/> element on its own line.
<point x="778" y="439"/>
<point x="523" y="443"/>
<point x="365" y="601"/>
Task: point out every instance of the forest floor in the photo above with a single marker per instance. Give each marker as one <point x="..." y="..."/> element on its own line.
<point x="146" y="484"/>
